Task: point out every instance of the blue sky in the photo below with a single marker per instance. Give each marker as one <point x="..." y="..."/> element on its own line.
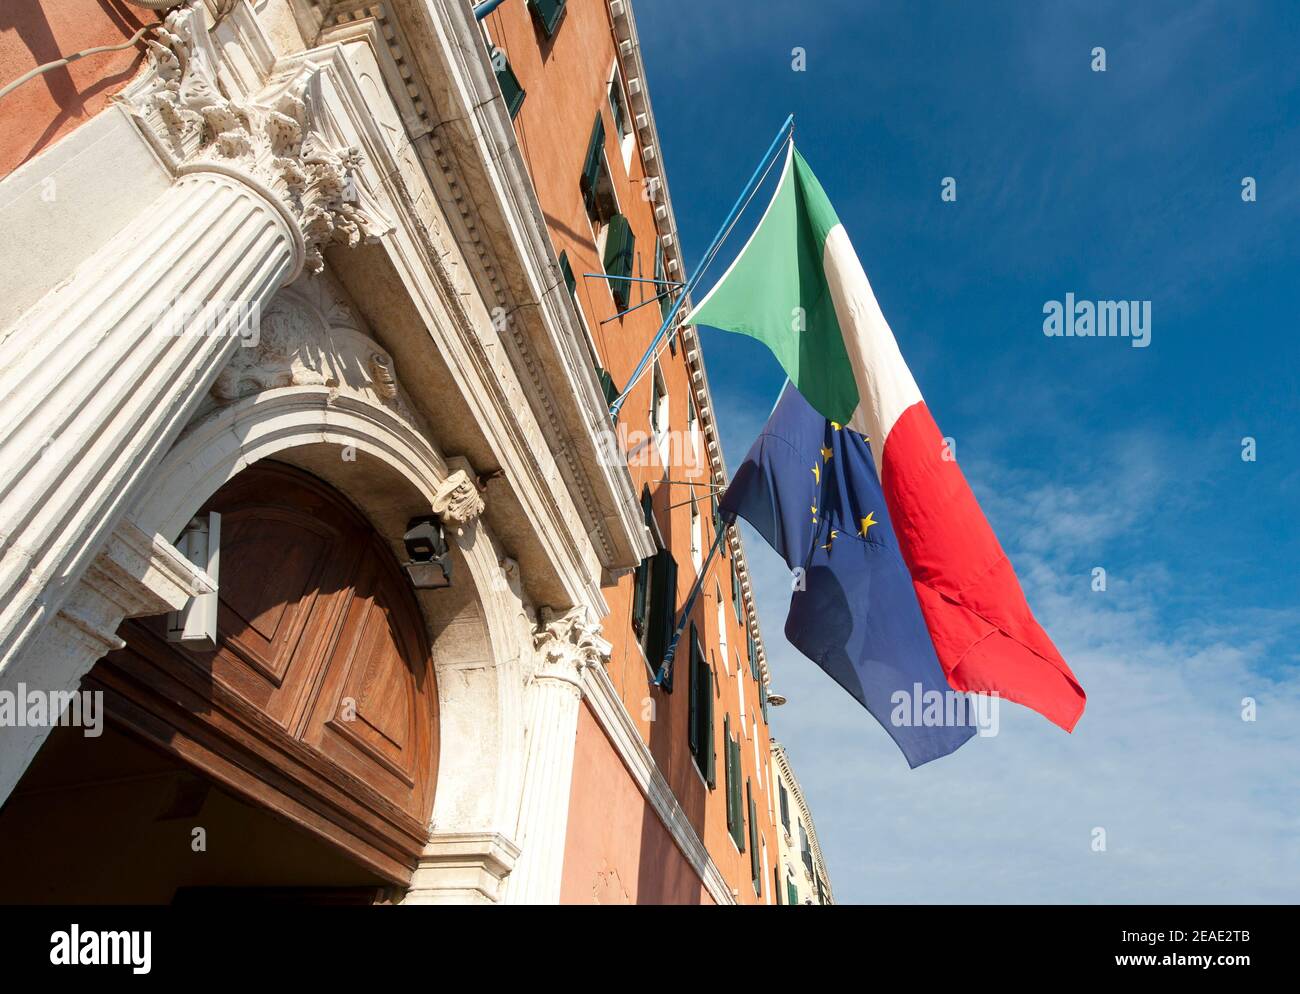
<point x="1083" y="452"/>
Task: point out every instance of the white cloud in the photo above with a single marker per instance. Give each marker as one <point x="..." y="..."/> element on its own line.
<point x="1197" y="804"/>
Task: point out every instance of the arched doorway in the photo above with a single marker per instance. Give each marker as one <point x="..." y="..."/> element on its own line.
<point x="319" y="705"/>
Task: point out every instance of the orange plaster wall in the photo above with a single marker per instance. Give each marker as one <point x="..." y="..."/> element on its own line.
<point x="618" y="851"/>
<point x="44" y="109"/>
<point x="565" y="79"/>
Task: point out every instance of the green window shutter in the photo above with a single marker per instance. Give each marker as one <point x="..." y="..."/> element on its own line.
<point x="710" y="755"/>
<point x="729" y="776"/>
<point x="791" y="892"/>
<point x="511" y="91"/>
<point x="640" y="598"/>
<point x="607" y="386"/>
<point x="740" y="808"/>
<point x="641" y="589"/>
<point x="548" y="13"/>
<point x="762" y="702"/>
<point x="736" y="603"/>
<point x="620" y="248"/>
<point x="566" y="271"/>
<point x="753" y="656"/>
<point x="696" y="701"/>
<point x="755" y="870"/>
<point x="666" y="300"/>
<point x="663" y="609"/>
<point x="591" y="165"/>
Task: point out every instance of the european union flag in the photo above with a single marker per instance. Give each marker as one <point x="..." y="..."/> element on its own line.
<point x="809" y="486"/>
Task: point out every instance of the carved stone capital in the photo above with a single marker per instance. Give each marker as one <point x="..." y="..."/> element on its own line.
<point x="458" y="500"/>
<point x="567" y="642"/>
<point x="282" y="143"/>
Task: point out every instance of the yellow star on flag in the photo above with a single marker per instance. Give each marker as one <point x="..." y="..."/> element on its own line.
<point x="817" y="474"/>
<point x="832" y="539"/>
<point x="826" y="455"/>
<point x="814" y="512"/>
<point x="867" y="522"/>
<point x="836" y="425"/>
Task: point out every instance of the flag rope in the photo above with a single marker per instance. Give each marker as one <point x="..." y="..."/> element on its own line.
<point x="746" y="195"/>
<point x="665" y="668"/>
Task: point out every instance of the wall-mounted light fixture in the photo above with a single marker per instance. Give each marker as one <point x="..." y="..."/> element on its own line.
<point x="429" y="558"/>
<point x="195" y="625"/>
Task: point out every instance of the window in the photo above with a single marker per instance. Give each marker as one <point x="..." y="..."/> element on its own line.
<point x="700" y="722"/>
<point x="619" y="253"/>
<point x="791" y="892"/>
<point x="697" y="536"/>
<point x="622" y="117"/>
<point x="659" y="413"/>
<point x="641" y="588"/>
<point x="665" y="295"/>
<point x="785" y="807"/>
<point x="614" y="239"/>
<point x="654" y="599"/>
<point x="597" y="186"/>
<point x="735" y="594"/>
<point x="735" y="808"/>
<point x="722" y="631"/>
<point x="805" y="850"/>
<point x="755" y="867"/>
<point x="511" y="91"/>
<point x="548" y="14"/>
<point x="753" y="653"/>
<point x="693" y="429"/>
<point x="776" y="880"/>
<point x="740" y="694"/>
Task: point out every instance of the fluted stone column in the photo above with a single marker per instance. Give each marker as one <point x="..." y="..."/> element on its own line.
<point x="101" y="375"/>
<point x="565" y="645"/>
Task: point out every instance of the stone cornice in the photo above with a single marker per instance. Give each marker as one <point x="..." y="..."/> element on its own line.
<point x="465" y="136"/>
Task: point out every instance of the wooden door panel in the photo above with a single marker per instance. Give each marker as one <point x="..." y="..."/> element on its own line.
<point x="321" y="652"/>
<point x="368" y="716"/>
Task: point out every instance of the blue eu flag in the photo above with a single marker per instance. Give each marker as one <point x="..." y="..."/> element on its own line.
<point x="809" y="486"/>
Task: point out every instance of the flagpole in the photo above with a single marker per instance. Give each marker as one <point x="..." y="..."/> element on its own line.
<point x="773" y="150"/>
<point x="662" y="674"/>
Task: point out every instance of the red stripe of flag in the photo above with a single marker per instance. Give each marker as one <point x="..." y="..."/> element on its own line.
<point x="983" y="631"/>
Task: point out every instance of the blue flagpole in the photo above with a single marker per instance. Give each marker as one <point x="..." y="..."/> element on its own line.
<point x="483" y="9"/>
<point x="777" y="144"/>
<point x="662" y="674"/>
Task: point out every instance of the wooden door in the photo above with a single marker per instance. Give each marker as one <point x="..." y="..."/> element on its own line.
<point x="319" y="700"/>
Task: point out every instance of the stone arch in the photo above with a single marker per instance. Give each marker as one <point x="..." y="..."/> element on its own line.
<point x="368" y="446"/>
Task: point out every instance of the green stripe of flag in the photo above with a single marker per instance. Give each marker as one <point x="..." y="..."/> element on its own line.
<point x="776" y="292"/>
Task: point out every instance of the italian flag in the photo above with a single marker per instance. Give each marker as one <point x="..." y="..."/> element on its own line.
<point x="798" y="287"/>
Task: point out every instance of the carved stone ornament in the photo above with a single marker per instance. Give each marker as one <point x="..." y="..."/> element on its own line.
<point x="309" y="336"/>
<point x="458" y="500"/>
<point x="282" y="141"/>
<point x="570" y="636"/>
